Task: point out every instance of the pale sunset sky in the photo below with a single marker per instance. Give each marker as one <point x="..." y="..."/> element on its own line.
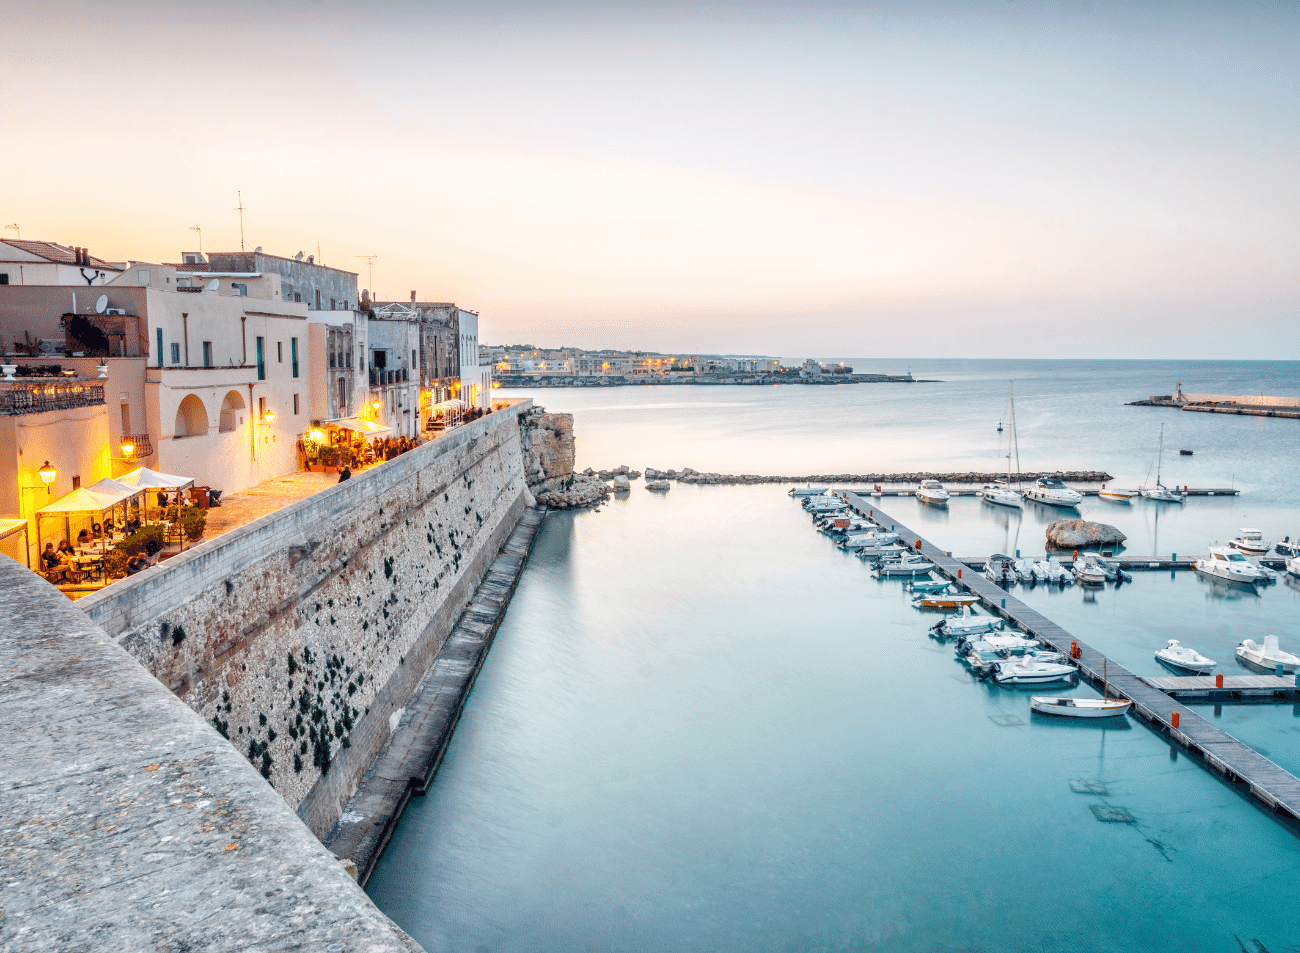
<point x="1018" y="179"/>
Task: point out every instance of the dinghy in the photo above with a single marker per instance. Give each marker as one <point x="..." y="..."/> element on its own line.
<point x="1268" y="655"/>
<point x="1079" y="707"/>
<point x="1185" y="659"/>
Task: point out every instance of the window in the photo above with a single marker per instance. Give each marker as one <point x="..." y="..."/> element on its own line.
<point x="295" y="404"/>
<point x="343" y="396"/>
<point x="348" y="356"/>
<point x="207" y="353"/>
<point x="160" y="349"/>
<point x="331" y="304"/>
<point x="345" y="304"/>
<point x="176" y="353"/>
<point x="412" y="359"/>
<point x="293" y="356"/>
<point x="279" y="352"/>
<point x="4" y="278"/>
<point x="261" y="359"/>
<point x="317" y="299"/>
<point x="261" y="406"/>
<point x="126" y="419"/>
<point x="297" y="296"/>
<point x="239" y="287"/>
<point x="331" y="358"/>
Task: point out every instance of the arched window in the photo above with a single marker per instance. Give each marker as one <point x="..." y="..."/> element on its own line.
<point x="229" y="417"/>
<point x="191" y="417"/>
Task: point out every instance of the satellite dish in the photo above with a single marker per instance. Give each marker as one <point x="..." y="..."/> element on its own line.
<point x="102" y="304"/>
<point x="257" y="250"/>
<point x="214" y="284"/>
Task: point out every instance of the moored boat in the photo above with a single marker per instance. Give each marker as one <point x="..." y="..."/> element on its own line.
<point x="1293" y="566"/>
<point x="1079" y="707"/>
<point x="1159" y="492"/>
<point x="1000" y="570"/>
<point x="944" y="600"/>
<point x="808" y="490"/>
<point x="1030" y="671"/>
<point x="1089" y="570"/>
<point x="1053" y="492"/>
<point x="932" y="492"/>
<point x="1185" y="659"/>
<point x="907" y="565"/>
<point x="1228" y="564"/>
<point x="1267" y="656"/>
<point x="1114" y="495"/>
<point x="1287" y="547"/>
<point x="1251" y="542"/>
<point x="966" y="624"/>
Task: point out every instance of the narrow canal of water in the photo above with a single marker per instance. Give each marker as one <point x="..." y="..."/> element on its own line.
<point x="702" y="728"/>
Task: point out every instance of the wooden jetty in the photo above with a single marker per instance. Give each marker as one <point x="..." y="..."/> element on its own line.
<point x="1275" y="787"/>
<point x="1085" y="490"/>
<point x="1226" y="687"/>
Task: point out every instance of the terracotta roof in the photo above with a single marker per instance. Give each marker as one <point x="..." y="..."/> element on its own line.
<point x="50" y="251"/>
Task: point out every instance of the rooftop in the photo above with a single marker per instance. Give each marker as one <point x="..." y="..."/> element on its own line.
<point x="53" y="251"/>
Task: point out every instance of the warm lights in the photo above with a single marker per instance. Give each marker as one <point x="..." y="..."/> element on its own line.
<point x="128" y="449"/>
<point x="47" y="472"/>
<point x="317" y="435"/>
<point x="269" y="416"/>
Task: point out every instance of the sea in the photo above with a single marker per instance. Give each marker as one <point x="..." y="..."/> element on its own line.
<point x="703" y="728"/>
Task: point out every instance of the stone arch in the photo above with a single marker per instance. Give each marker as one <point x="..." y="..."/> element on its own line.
<point x="233" y="403"/>
<point x="191" y="417"/>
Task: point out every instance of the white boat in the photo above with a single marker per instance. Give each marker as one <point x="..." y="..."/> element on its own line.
<point x="1039" y="572"/>
<point x="1000" y="570"/>
<point x="808" y="490"/>
<point x="932" y="492"/>
<point x="1089" y="570"/>
<point x="875" y="540"/>
<point x="1270" y="576"/>
<point x="1287" y="547"/>
<point x="824" y="504"/>
<point x="1114" y="495"/>
<point x="1005" y="644"/>
<point x="1185" y="659"/>
<point x="1268" y="655"/>
<point x="907" y="565"/>
<point x="1053" y="492"/>
<point x="1225" y="563"/>
<point x="1293" y="566"/>
<point x="658" y="486"/>
<point x="1056" y="572"/>
<point x="1251" y="542"/>
<point x="1160" y="492"/>
<point x="1079" y="707"/>
<point x="1001" y="493"/>
<point x="944" y="600"/>
<point x="966" y="624"/>
<point x="1025" y="571"/>
<point x="1029" y="671"/>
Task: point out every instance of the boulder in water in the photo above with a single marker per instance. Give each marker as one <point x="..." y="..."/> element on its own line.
<point x="1076" y="534"/>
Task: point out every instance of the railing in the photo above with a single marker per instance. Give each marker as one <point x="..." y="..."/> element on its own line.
<point x="22" y="397"/>
<point x="143" y="445"/>
<point x="380" y="377"/>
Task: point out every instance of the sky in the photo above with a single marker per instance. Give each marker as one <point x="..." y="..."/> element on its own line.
<point x="944" y="179"/>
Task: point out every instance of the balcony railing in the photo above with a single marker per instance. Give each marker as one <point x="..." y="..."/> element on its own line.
<point x="37" y="397"/>
<point x="379" y="377"/>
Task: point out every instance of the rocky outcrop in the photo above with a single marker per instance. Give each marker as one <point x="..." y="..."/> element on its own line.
<point x="622" y="470"/>
<point x="576" y="492"/>
<point x="548" y="446"/>
<point x="1078" y="534"/>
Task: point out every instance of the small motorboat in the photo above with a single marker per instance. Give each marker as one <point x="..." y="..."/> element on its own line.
<point x="1287" y="547"/>
<point x="1268" y="655"/>
<point x="1089" y="570"/>
<point x="1251" y="542"/>
<point x="944" y="600"/>
<point x="966" y="624"/>
<point x="658" y="486"/>
<point x="824" y="504"/>
<point x="929" y="587"/>
<point x="1057" y="573"/>
<point x="1030" y="671"/>
<point x="932" y="492"/>
<point x="1225" y="563"/>
<point x="1269" y="575"/>
<point x="869" y="539"/>
<point x="1053" y="492"/>
<point x="808" y="490"/>
<point x="1185" y="659"/>
<point x="1079" y="707"/>
<point x="1293" y="566"/>
<point x="1001" y="570"/>
<point x="1001" y="495"/>
<point x="1114" y="495"/>
<point x="907" y="565"/>
<point x="1184" y="453"/>
<point x="1038" y="571"/>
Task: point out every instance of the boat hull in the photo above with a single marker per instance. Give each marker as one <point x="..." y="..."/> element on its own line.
<point x="1182" y="665"/>
<point x="1079" y="707"/>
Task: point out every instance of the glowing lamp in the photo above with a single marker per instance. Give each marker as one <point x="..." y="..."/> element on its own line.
<point x="128" y="449"/>
<point x="47" y="472"/>
<point x="317" y="436"/>
<point x="269" y="416"/>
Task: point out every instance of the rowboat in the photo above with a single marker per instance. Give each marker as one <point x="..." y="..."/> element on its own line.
<point x="1079" y="707"/>
<point x="945" y="600"/>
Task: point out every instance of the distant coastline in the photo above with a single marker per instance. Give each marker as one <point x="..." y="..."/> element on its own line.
<point x="671" y="380"/>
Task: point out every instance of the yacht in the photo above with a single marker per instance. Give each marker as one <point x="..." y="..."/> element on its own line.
<point x="1185" y="659"/>
<point x="1053" y="492"/>
<point x="1089" y="570"/>
<point x="1225" y="563"/>
<point x="1001" y="495"/>
<point x="1000" y="492"/>
<point x="1268" y="655"/>
<point x="1251" y="542"/>
<point x="907" y="565"/>
<point x="1160" y="492"/>
<point x="932" y="492"/>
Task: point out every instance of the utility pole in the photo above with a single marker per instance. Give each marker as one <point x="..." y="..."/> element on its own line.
<point x="240" y="209"/>
<point x="195" y="228"/>
<point x="370" y="273"/>
<point x="16" y="229"/>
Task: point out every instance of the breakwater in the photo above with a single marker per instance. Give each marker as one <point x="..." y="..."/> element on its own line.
<point x="689" y="475"/>
<point x="299" y="635"/>
<point x="1249" y="405"/>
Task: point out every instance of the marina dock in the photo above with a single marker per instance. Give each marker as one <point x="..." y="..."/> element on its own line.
<point x="1085" y="490"/>
<point x="1276" y="788"/>
<point x="1227" y="687"/>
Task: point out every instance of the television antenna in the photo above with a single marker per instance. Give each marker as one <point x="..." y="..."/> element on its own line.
<point x="195" y="228"/>
<point x="370" y="272"/>
<point x="240" y="209"/>
<point x="16" y="229"/>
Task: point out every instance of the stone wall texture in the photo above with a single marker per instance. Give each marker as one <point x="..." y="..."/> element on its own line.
<point x="549" y="450"/>
<point x="299" y="635"/>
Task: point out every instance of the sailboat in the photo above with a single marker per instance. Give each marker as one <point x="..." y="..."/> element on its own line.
<point x="1161" y="492"/>
<point x="1001" y="493"/>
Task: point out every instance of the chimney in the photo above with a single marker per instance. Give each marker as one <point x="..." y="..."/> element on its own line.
<point x="412" y="297"/>
<point x="76" y="254"/>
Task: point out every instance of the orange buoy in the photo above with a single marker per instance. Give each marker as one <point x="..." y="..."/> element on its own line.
<point x="1174" y="720"/>
<point x="1218" y="680"/>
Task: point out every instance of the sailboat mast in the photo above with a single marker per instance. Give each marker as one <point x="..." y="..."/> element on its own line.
<point x="1160" y="454"/>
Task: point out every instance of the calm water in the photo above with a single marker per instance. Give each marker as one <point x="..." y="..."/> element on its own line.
<point x="703" y="728"/>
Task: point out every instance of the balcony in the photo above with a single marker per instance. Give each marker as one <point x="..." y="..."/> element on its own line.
<point x="380" y="377"/>
<point x="40" y="396"/>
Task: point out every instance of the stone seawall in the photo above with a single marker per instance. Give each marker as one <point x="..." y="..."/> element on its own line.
<point x="298" y="635"/>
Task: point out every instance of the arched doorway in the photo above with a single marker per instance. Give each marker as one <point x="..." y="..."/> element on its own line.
<point x="191" y="417"/>
<point x="230" y="408"/>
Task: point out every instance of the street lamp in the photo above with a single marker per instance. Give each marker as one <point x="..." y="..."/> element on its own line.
<point x="128" y="448"/>
<point x="269" y="416"/>
<point x="48" y="473"/>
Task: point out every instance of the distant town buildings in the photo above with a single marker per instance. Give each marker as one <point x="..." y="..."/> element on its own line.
<point x="524" y="361"/>
<point x="229" y="368"/>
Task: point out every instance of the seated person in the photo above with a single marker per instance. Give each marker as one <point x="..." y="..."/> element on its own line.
<point x="83" y="538"/>
<point x="49" y="558"/>
<point x="66" y="550"/>
<point x="96" y="530"/>
<point x="136" y="563"/>
<point x="132" y="526"/>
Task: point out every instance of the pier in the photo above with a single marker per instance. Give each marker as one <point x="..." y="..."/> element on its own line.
<point x="1228" y="687"/>
<point x="1276" y="788"/>
<point x="1085" y="490"/>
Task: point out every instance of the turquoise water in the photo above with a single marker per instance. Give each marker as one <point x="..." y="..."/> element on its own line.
<point x="703" y="728"/>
